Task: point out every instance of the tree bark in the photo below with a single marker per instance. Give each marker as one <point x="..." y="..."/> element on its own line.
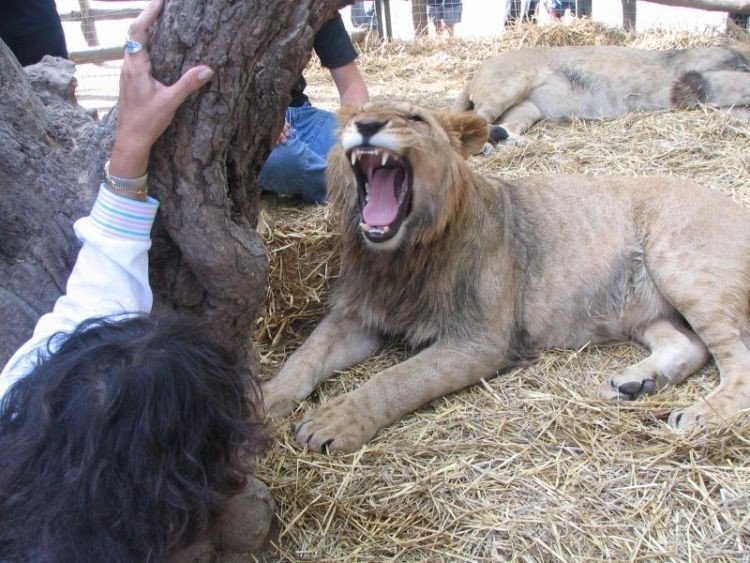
<point x="207" y="256"/>
<point x="735" y="6"/>
<point x="43" y="177"/>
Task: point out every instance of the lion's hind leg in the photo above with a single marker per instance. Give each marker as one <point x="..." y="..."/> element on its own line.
<point x="707" y="279"/>
<point x="676" y="352"/>
<point x="733" y="393"/>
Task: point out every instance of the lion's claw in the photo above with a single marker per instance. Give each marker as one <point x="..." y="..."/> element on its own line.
<point x="277" y="401"/>
<point x="337" y="426"/>
<point x="689" y="418"/>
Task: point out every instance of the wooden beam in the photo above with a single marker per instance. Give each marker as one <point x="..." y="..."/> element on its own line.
<point x="734" y="6"/>
<point x="99" y="14"/>
<point x="97" y="55"/>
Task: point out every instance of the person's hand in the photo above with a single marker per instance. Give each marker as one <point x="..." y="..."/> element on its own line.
<point x="146" y="106"/>
<point x="284" y="135"/>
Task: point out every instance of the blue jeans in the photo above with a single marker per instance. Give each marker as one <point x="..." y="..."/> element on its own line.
<point x="297" y="168"/>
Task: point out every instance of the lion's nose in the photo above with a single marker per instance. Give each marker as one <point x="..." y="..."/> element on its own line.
<point x="368" y="128"/>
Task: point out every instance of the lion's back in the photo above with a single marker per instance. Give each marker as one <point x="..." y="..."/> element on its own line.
<point x="592" y="82"/>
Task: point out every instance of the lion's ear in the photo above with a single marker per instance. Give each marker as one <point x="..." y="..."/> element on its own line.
<point x="470" y="130"/>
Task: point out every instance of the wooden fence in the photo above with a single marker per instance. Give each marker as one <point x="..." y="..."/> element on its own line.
<point x="95" y="54"/>
<point x="88" y="18"/>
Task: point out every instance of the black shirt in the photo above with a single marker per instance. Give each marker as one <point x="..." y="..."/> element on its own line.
<point x="24" y="17"/>
<point x="334" y="48"/>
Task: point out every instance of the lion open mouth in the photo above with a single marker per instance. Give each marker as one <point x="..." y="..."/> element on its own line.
<point x="384" y="184"/>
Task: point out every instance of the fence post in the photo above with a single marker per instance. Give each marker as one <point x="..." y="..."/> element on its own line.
<point x="88" y="24"/>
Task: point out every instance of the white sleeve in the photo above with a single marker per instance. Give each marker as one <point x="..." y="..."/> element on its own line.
<point x="110" y="276"/>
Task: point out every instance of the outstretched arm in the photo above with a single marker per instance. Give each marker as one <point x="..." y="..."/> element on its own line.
<point x="337" y="53"/>
<point x="146" y="106"/>
<point x="110" y="275"/>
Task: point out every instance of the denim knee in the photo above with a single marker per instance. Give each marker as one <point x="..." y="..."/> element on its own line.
<point x="293" y="170"/>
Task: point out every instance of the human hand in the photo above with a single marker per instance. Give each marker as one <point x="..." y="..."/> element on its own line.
<point x="284" y="135"/>
<point x="146" y="106"/>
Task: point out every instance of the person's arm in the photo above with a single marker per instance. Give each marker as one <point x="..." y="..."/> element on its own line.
<point x="337" y="53"/>
<point x="350" y="84"/>
<point x="146" y="106"/>
<point x="110" y="276"/>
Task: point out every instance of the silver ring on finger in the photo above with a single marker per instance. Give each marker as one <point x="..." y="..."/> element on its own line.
<point x="132" y="46"/>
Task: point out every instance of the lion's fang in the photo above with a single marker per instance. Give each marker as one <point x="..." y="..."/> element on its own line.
<point x="384" y="159"/>
<point x="365" y="227"/>
<point x="354" y="158"/>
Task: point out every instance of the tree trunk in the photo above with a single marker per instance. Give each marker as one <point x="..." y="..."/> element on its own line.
<point x="207" y="256"/>
<point x="44" y="141"/>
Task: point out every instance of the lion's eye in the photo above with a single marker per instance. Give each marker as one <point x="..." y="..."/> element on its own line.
<point x="416" y="118"/>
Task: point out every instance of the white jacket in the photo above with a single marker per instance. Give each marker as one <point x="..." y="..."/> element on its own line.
<point x="110" y="276"/>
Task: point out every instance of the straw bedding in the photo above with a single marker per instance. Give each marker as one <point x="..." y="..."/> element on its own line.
<point x="527" y="466"/>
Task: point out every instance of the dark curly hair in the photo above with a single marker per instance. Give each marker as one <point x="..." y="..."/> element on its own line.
<point x="122" y="444"/>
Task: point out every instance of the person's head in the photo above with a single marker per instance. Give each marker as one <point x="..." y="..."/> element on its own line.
<point x="122" y="443"/>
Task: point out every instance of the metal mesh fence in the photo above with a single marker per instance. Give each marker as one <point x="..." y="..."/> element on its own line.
<point x="95" y="30"/>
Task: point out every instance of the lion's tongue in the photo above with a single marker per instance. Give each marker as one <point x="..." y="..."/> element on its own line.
<point x="381" y="208"/>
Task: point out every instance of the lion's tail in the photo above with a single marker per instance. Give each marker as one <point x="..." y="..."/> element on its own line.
<point x="721" y="88"/>
<point x="463" y="101"/>
<point x="689" y="90"/>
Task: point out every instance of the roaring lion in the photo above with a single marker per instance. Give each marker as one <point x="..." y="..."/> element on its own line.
<point x="519" y="88"/>
<point x="481" y="272"/>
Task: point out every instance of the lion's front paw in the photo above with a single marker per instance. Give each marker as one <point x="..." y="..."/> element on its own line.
<point x="277" y="399"/>
<point x="337" y="426"/>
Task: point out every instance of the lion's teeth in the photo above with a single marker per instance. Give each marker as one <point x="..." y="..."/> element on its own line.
<point x="367" y="188"/>
<point x="386" y="229"/>
<point x="384" y="159"/>
<point x="354" y="158"/>
<point x="365" y="227"/>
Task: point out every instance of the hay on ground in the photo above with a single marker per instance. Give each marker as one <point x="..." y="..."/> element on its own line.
<point x="526" y="466"/>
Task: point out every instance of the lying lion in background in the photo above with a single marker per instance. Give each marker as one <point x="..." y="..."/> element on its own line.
<point x="480" y="272"/>
<point x="519" y="88"/>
